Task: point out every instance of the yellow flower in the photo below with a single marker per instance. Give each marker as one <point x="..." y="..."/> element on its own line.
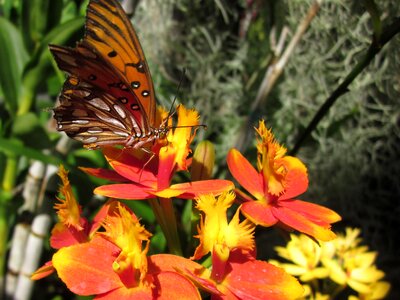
<point x="350" y="264"/>
<point x="379" y="290"/>
<point x="305" y="255"/>
<point x="309" y="295"/>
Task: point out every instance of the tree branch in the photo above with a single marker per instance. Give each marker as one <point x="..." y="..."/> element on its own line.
<point x="376" y="46"/>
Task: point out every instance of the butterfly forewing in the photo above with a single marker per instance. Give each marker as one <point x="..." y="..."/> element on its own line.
<point x="109" y="96"/>
<point x="110" y="33"/>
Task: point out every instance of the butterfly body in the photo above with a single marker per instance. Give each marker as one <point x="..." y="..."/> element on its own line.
<point x="108" y="97"/>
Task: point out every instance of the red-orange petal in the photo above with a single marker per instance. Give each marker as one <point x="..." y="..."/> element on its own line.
<point x="131" y="156"/>
<point x="296" y="179"/>
<point x="127" y="191"/>
<point x="317" y="213"/>
<point x="170" y="262"/>
<point x="245" y="173"/>
<point x="172" y="285"/>
<point x="141" y="170"/>
<point x="259" y="213"/>
<point x="134" y="173"/>
<point x="165" y="167"/>
<point x="299" y="222"/>
<point x="189" y="190"/>
<point x="104" y="174"/>
<point x="43" y="271"/>
<point x="260" y="280"/>
<point x="86" y="268"/>
<point x="167" y="285"/>
<point x="64" y="236"/>
<point x="109" y="208"/>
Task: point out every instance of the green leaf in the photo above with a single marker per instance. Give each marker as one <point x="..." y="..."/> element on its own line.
<point x="158" y="241"/>
<point x="142" y="210"/>
<point x="17" y="147"/>
<point x="13" y="58"/>
<point x="6" y="7"/>
<point x="28" y="129"/>
<point x="38" y="17"/>
<point x="41" y="60"/>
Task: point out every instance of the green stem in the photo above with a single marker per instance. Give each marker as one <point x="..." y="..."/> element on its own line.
<point x="7" y="186"/>
<point x="165" y="214"/>
<point x="376" y="46"/>
<point x="26" y="100"/>
<point x="5" y="197"/>
<point x="4" y="213"/>
<point x="10" y="173"/>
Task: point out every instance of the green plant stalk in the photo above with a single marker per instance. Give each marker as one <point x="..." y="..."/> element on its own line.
<point x="4" y="213"/>
<point x="26" y="100"/>
<point x="165" y="214"/>
<point x="376" y="45"/>
<point x="10" y="173"/>
<point x="29" y="85"/>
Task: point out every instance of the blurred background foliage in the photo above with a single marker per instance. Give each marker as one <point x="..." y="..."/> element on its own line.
<point x="225" y="48"/>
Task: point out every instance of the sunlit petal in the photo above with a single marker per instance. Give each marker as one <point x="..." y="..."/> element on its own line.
<point x="123" y="191"/>
<point x="302" y="224"/>
<point x="245" y="173"/>
<point x="259" y="213"/>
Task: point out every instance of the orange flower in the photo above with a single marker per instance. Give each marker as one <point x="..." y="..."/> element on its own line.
<point x="145" y="176"/>
<point x="114" y="264"/>
<point x="236" y="274"/>
<point x="278" y="180"/>
<point x="72" y="228"/>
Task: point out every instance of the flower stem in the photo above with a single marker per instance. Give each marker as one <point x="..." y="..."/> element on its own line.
<point x="164" y="211"/>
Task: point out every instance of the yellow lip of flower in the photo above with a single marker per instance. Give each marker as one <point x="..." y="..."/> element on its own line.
<point x="128" y="234"/>
<point x="68" y="209"/>
<point x="180" y="136"/>
<point x="215" y="233"/>
<point x="269" y="161"/>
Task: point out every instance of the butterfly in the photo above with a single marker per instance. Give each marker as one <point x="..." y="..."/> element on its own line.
<point x="108" y="98"/>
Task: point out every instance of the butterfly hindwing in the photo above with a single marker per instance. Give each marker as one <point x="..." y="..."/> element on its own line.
<point x="92" y="116"/>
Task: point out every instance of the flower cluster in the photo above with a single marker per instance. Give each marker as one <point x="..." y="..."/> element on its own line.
<point x="110" y="256"/>
<point x="342" y="261"/>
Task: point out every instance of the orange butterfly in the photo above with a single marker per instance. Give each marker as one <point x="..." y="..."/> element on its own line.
<point x="108" y="98"/>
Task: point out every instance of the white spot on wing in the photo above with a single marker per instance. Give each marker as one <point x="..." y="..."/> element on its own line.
<point x="97" y="102"/>
<point x="81" y="122"/>
<point x="120" y="111"/>
<point x="94" y="130"/>
<point x="112" y="121"/>
<point x="121" y="133"/>
<point x="82" y="93"/>
<point x="92" y="139"/>
<point x="135" y="126"/>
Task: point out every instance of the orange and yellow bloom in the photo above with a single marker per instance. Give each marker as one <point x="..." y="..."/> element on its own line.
<point x="274" y="185"/>
<point x="112" y="264"/>
<point x="115" y="265"/>
<point x="235" y="274"/>
<point x="148" y="175"/>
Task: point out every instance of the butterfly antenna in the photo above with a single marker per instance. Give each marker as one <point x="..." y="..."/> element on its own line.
<point x="172" y="109"/>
